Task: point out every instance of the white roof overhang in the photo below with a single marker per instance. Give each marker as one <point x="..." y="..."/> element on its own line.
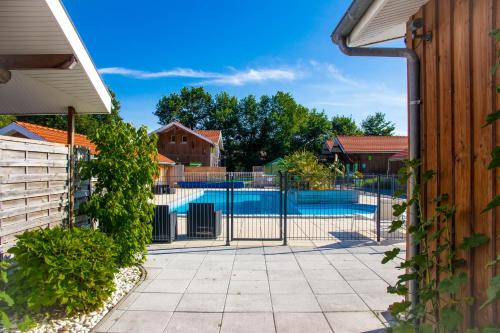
<point x="42" y="27"/>
<point x="373" y="21"/>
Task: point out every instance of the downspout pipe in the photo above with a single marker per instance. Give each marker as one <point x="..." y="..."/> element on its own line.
<point x="414" y="110"/>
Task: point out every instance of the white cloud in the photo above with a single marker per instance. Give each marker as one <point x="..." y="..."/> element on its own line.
<point x="235" y="78"/>
<point x="321" y="85"/>
<point x="336" y="92"/>
<point x="332" y="71"/>
<point x="176" y="72"/>
<point x="239" y="78"/>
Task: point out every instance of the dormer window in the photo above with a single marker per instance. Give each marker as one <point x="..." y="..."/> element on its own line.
<point x="172" y="139"/>
<point x="184" y="139"/>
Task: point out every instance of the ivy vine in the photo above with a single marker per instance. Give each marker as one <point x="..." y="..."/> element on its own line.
<point x="441" y="303"/>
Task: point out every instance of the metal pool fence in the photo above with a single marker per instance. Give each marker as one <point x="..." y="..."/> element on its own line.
<point x="253" y="206"/>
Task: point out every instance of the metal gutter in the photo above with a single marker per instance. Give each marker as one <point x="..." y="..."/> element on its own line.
<point x="351" y="17"/>
<point x="339" y="37"/>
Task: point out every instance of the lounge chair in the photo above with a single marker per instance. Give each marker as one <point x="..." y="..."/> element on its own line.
<point x="203" y="221"/>
<point x="164" y="224"/>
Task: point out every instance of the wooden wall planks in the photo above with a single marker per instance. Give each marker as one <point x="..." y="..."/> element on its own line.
<point x="458" y="92"/>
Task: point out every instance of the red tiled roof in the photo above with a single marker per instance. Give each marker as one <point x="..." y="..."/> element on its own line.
<point x="164" y="159"/>
<point x="212" y="135"/>
<point x="57" y="136"/>
<point x="373" y="144"/>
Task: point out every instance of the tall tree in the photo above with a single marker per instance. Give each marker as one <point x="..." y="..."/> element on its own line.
<point x="191" y="107"/>
<point x="313" y="132"/>
<point x="223" y="115"/>
<point x="344" y="125"/>
<point x="255" y="131"/>
<point x="377" y="125"/>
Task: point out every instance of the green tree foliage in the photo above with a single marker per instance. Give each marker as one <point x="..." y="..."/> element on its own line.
<point x="84" y="124"/>
<point x="69" y="269"/>
<point x="306" y="170"/>
<point x="5" y="120"/>
<point x="255" y="131"/>
<point x="125" y="169"/>
<point x="344" y="125"/>
<point x="190" y="107"/>
<point x="377" y="125"/>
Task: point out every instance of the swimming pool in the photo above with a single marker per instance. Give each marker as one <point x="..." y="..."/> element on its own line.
<point x="258" y="202"/>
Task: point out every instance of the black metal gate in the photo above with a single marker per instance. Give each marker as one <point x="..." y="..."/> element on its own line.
<point x="257" y="210"/>
<point x="259" y="207"/>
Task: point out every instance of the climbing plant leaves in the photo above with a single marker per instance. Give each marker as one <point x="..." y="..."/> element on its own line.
<point x="493" y="291"/>
<point x="453" y="283"/>
<point x="473" y="241"/>
<point x="492" y="204"/>
<point x="391" y="254"/>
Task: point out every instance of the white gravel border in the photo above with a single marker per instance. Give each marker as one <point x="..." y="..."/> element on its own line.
<point x="125" y="280"/>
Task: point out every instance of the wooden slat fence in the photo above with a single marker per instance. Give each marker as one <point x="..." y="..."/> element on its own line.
<point x="33" y="186"/>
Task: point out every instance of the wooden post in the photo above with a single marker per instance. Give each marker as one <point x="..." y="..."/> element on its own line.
<point x="71" y="143"/>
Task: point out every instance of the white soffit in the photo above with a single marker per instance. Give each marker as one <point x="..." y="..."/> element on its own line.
<point x="43" y="27"/>
<point x="384" y="20"/>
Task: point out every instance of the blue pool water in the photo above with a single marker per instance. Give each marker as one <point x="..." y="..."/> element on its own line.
<point x="268" y="203"/>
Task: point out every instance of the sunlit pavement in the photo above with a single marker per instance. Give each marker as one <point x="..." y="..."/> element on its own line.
<point x="199" y="286"/>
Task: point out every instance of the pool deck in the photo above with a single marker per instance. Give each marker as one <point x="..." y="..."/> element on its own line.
<point x="203" y="286"/>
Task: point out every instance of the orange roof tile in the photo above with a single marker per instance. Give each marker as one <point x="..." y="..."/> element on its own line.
<point x="58" y="136"/>
<point x="164" y="159"/>
<point x="212" y="135"/>
<point x="373" y="144"/>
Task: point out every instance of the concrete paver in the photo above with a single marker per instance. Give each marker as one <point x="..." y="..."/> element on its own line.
<point x="253" y="287"/>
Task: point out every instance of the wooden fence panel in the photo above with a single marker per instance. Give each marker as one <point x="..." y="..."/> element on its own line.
<point x="33" y="186"/>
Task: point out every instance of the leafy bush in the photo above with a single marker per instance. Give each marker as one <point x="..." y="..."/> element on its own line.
<point x="305" y="167"/>
<point x="69" y="269"/>
<point x="7" y="303"/>
<point x="125" y="167"/>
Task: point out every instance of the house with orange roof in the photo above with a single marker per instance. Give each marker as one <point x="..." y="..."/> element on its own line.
<point x="26" y="130"/>
<point x="368" y="154"/>
<point x="190" y="147"/>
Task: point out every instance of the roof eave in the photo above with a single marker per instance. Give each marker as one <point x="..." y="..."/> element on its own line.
<point x="351" y="18"/>
<point x="81" y="52"/>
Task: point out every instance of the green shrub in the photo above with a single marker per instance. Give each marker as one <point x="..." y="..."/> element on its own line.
<point x="68" y="269"/>
<point x="306" y="169"/>
<point x="7" y="303"/>
<point x="125" y="168"/>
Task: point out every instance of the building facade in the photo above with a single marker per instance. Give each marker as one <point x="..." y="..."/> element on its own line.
<point x="190" y="147"/>
<point x="366" y="154"/>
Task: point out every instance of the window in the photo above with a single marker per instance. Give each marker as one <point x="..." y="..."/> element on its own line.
<point x="172" y="139"/>
<point x="184" y="139"/>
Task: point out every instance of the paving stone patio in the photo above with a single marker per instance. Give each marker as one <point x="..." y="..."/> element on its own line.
<point x="259" y="287"/>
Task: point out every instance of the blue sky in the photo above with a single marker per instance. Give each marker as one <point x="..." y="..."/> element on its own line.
<point x="149" y="49"/>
